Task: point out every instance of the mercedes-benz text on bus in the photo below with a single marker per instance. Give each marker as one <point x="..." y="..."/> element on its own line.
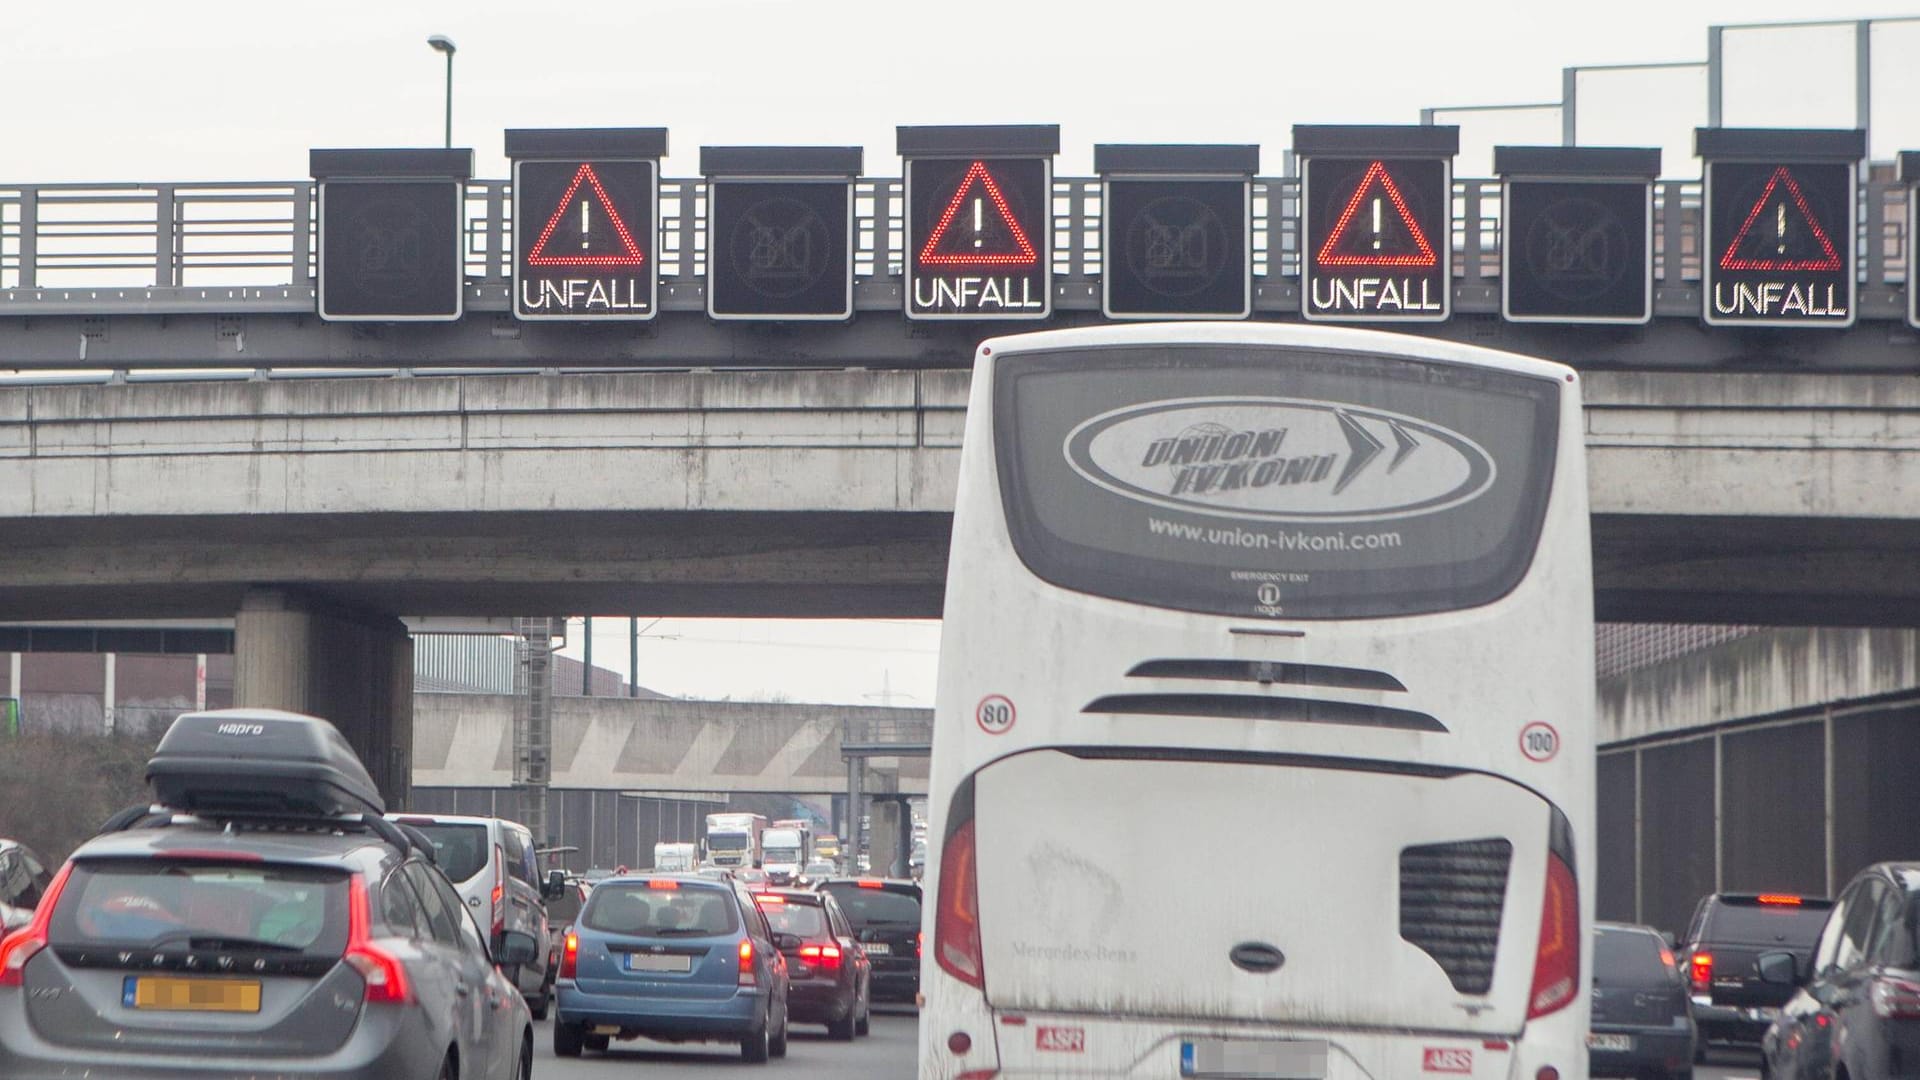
<point x="1305" y="613"/>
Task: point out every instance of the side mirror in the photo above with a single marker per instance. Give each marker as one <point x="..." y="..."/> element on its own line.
<point x="1777" y="969"/>
<point x="784" y="942"/>
<point x="556" y="885"/>
<point x="516" y="947"/>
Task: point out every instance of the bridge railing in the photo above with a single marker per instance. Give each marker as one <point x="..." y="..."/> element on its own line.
<point x="208" y="244"/>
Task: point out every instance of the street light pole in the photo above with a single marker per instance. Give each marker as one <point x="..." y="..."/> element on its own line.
<point x="443" y="43"/>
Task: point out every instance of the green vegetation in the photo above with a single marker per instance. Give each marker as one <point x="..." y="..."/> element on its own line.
<point x="55" y="790"/>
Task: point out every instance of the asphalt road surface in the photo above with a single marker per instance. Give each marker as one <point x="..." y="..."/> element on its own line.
<point x="888" y="1054"/>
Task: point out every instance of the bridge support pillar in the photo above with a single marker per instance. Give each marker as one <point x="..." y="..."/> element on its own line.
<point x="890" y="831"/>
<point x="352" y="667"/>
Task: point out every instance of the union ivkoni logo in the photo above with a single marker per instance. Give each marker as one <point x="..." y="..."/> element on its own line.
<point x="1279" y="459"/>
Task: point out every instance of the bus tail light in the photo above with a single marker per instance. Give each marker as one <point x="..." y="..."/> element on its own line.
<point x="1700" y="970"/>
<point x="956" y="923"/>
<point x="1556" y="963"/>
<point x="19" y="947"/>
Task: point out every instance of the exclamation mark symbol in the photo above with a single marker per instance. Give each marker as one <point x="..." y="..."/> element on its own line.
<point x="1376" y="223"/>
<point x="583" y="224"/>
<point x="978" y="223"/>
<point x="1780" y="228"/>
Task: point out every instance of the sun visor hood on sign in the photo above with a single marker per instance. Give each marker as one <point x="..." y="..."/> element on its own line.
<point x="260" y="762"/>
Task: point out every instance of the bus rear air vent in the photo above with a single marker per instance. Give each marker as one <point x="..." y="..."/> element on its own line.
<point x="1451" y="896"/>
<point x="1266" y="673"/>
<point x="1294" y="710"/>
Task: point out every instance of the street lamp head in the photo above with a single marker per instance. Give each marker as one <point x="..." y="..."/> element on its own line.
<point x="441" y="43"/>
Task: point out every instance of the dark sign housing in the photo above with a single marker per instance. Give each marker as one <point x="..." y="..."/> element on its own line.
<point x="1376" y="222"/>
<point x="979" y="201"/>
<point x="585" y="219"/>
<point x="1577" y="224"/>
<point x="1780" y="226"/>
<point x="1176" y="224"/>
<point x="780" y="231"/>
<point x="1910" y="175"/>
<point x="390" y="234"/>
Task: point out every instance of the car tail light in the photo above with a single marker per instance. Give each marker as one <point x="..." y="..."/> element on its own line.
<point x="748" y="976"/>
<point x="769" y="898"/>
<point x="569" y="957"/>
<point x="869" y="883"/>
<point x="919" y="944"/>
<point x="827" y="956"/>
<point x="499" y="892"/>
<point x="1896" y="999"/>
<point x="385" y="977"/>
<point x="663" y="884"/>
<point x="1779" y="898"/>
<point x="18" y="947"/>
<point x="1700" y="970"/>
<point x="1556" y="963"/>
<point x="956" y="924"/>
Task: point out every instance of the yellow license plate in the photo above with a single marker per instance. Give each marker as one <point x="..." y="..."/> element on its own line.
<point x="192" y="995"/>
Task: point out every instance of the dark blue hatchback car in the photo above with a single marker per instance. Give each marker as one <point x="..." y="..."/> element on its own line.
<point x="674" y="957"/>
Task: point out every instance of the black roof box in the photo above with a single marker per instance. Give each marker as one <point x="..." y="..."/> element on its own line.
<point x="240" y="762"/>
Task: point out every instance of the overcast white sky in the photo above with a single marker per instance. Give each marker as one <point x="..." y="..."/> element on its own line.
<point x="119" y="90"/>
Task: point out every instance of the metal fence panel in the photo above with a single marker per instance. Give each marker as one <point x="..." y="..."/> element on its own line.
<point x="1676" y="858"/>
<point x="1618" y="804"/>
<point x="1773" y="825"/>
<point x="1876" y="803"/>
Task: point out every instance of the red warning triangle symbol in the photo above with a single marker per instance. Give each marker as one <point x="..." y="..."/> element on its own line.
<point x="1001" y="243"/>
<point x="1395" y="239"/>
<point x="1771" y="248"/>
<point x="626" y="252"/>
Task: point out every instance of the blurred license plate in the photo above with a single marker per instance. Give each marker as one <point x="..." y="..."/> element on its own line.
<point x="878" y="948"/>
<point x="1617" y="1043"/>
<point x="1254" y="1059"/>
<point x="191" y="995"/>
<point x="651" y="962"/>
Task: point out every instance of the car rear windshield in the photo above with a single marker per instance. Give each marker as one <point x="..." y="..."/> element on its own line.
<point x="460" y="850"/>
<point x="639" y="909"/>
<point x="1755" y="923"/>
<point x="161" y="905"/>
<point x="1630" y="958"/>
<point x="806" y="920"/>
<point x="874" y="907"/>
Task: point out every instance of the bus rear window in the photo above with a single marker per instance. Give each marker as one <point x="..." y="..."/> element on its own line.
<point x="1273" y="482"/>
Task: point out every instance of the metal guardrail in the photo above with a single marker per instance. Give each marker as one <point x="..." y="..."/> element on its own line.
<point x="252" y="247"/>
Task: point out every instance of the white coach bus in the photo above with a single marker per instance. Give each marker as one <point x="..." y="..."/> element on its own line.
<point x="1263" y="744"/>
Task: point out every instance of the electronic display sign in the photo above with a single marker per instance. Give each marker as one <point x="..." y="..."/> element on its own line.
<point x="584" y="239"/>
<point x="1910" y="174"/>
<point x="1779" y="243"/>
<point x="390" y="250"/>
<point x="978" y="239"/>
<point x="1376" y="239"/>
<point x="1576" y="233"/>
<point x="1176" y="248"/>
<point x="780" y="231"/>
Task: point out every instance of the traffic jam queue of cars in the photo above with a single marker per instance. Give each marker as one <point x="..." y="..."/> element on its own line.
<point x="264" y="910"/>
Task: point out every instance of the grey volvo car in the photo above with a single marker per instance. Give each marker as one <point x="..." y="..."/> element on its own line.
<point x="258" y="927"/>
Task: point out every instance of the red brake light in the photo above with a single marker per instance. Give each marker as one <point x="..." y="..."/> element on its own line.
<point x="499" y="892"/>
<point x="869" y="883"/>
<point x="663" y="884"/>
<point x="1556" y="964"/>
<point x="1700" y="970"/>
<point x="956" y="924"/>
<point x="1779" y="898"/>
<point x="569" y="957"/>
<point x="385" y="977"/>
<point x="207" y="855"/>
<point x="769" y="898"/>
<point x="748" y="977"/>
<point x="18" y="947"/>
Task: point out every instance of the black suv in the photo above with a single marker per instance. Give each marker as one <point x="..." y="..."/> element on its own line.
<point x="1863" y="985"/>
<point x="1719" y="954"/>
<point x="884" y="914"/>
<point x="268" y="915"/>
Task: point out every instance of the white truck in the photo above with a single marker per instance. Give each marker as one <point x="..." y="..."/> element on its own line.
<point x="787" y="845"/>
<point x="733" y="840"/>
<point x="676" y="858"/>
